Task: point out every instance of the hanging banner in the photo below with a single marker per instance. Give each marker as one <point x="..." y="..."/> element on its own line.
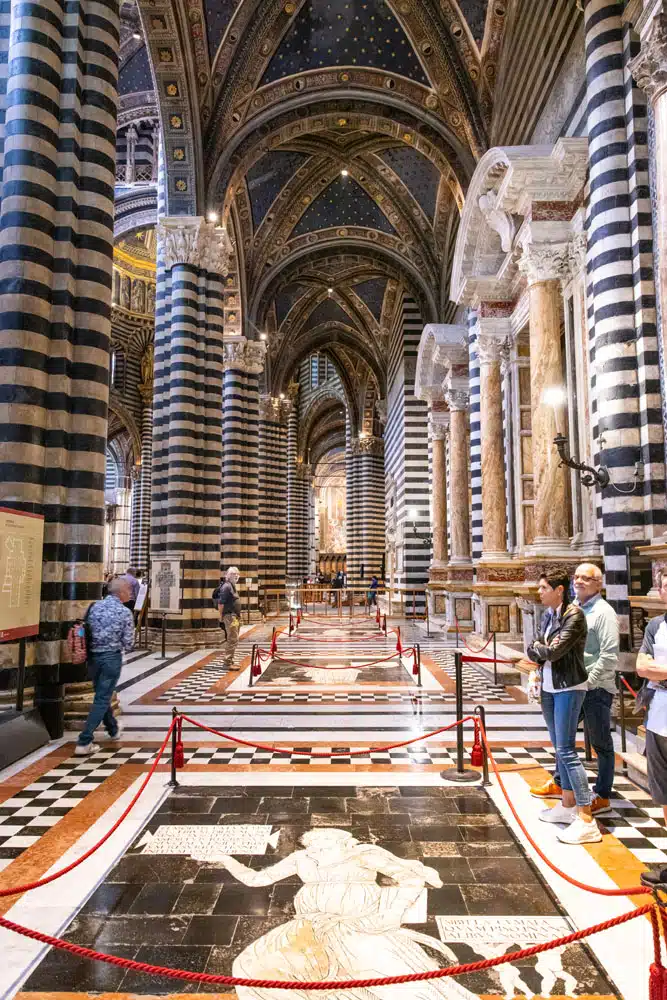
<point x="166" y="584"/>
<point x="21" y="544"/>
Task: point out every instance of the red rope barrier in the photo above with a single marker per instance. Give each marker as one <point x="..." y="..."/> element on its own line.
<point x="287" y="752"/>
<point x="483" y="659"/>
<point x="354" y="638"/>
<point x="322" y="985"/>
<point x="63" y="871"/>
<point x="629" y="687"/>
<point x="466" y="644"/>
<point x="311" y="666"/>
<point x="638" y="890"/>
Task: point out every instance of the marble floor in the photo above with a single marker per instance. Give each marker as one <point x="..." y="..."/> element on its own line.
<point x="270" y="864"/>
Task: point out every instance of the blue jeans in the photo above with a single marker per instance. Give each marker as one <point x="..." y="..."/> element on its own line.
<point x="597" y="716"/>
<point x="561" y="714"/>
<point x="104" y="671"/>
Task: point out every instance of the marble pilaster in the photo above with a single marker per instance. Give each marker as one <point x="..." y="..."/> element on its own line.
<point x="439" y="428"/>
<point x="490" y="340"/>
<point x="544" y="266"/>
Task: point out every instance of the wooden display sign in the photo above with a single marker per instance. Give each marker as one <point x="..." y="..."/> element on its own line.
<point x="21" y="545"/>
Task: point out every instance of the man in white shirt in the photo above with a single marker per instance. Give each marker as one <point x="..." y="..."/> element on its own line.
<point x="652" y="665"/>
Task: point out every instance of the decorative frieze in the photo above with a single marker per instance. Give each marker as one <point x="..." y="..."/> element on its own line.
<point x="194" y="241"/>
<point x="244" y="355"/>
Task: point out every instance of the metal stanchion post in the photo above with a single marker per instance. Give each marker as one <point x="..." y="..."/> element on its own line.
<point x="428" y="620"/>
<point x="456" y="625"/>
<point x="164" y="637"/>
<point x="481" y="712"/>
<point x="459" y="773"/>
<point x="173" y="783"/>
<point x="253" y="658"/>
<point x="419" y="665"/>
<point x="621" y="712"/>
<point x="589" y="763"/>
<point x="20" y="677"/>
<point x="495" y="660"/>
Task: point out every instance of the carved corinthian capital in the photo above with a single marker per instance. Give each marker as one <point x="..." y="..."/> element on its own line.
<point x="545" y="261"/>
<point x="274" y="409"/>
<point x="649" y="68"/>
<point x="194" y="241"/>
<point x="245" y="356"/>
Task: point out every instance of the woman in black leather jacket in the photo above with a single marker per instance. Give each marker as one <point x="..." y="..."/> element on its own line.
<point x="559" y="652"/>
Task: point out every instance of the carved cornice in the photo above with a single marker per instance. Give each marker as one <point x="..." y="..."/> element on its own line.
<point x="245" y="356"/>
<point x="274" y="409"/>
<point x="194" y="241"/>
<point x="649" y="68"/>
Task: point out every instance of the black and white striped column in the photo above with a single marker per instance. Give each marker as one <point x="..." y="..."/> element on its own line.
<point x="244" y="362"/>
<point x="141" y="493"/>
<point x="273" y="414"/>
<point x="610" y="294"/>
<point x="476" y="518"/>
<point x="297" y="499"/>
<point x="371" y="504"/>
<point x="187" y="416"/>
<point x="56" y="233"/>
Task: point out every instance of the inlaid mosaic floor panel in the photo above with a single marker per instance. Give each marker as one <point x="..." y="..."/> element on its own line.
<point x="309" y="881"/>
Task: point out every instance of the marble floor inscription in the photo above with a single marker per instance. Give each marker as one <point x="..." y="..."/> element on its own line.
<point x="317" y="881"/>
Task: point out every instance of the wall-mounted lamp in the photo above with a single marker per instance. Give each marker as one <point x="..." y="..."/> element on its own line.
<point x="556" y="397"/>
<point x="426" y="540"/>
<point x="212" y="216"/>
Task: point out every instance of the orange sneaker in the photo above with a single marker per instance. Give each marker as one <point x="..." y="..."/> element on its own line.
<point x="549" y="790"/>
<point x="599" y="806"/>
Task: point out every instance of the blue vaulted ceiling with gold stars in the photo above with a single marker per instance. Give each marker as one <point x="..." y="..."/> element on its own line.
<point x="336" y="138"/>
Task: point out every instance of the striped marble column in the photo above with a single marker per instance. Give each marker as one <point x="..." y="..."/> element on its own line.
<point x="244" y="362"/>
<point x="297" y="519"/>
<point x="56" y="233"/>
<point x="273" y="416"/>
<point x="354" y="544"/>
<point x="187" y="417"/>
<point x="610" y="295"/>
<point x="141" y="494"/>
<point x="371" y="504"/>
<point x="476" y="518"/>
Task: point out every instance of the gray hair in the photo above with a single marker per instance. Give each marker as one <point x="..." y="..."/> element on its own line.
<point x="121" y="583"/>
<point x="232" y="569"/>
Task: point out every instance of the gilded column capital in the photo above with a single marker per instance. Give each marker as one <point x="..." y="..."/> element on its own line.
<point x="244" y="355"/>
<point x="274" y="409"/>
<point x="303" y="471"/>
<point x="368" y="445"/>
<point x="649" y="68"/>
<point x="147" y="372"/>
<point x="293" y="390"/>
<point x="190" y="239"/>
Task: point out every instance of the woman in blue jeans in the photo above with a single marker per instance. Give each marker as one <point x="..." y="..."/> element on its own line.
<point x="559" y="651"/>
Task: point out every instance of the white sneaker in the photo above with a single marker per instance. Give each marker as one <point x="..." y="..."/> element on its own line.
<point x="104" y="735"/>
<point x="80" y="751"/>
<point x="580" y="831"/>
<point x="559" y="814"/>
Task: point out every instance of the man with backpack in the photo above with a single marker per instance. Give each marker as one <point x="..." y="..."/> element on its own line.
<point x="109" y="627"/>
<point x="230" y="614"/>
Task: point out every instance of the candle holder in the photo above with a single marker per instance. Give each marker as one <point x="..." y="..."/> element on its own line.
<point x="591" y="477"/>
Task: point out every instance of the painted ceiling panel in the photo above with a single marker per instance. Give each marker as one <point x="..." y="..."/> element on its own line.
<point x="372" y="292"/>
<point x="218" y="15"/>
<point x="328" y="311"/>
<point x="474" y="12"/>
<point x="419" y="175"/>
<point x="136" y="76"/>
<point x="267" y="178"/>
<point x="345" y="33"/>
<point x="343" y="203"/>
<point x="286" y="299"/>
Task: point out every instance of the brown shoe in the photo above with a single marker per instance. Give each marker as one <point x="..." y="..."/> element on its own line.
<point x="600" y="806"/>
<point x="549" y="790"/>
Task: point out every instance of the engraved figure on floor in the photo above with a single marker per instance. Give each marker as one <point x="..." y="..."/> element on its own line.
<point x="346" y="925"/>
<point x="549" y="968"/>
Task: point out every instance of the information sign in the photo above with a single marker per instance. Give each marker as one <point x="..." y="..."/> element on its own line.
<point x="21" y="544"/>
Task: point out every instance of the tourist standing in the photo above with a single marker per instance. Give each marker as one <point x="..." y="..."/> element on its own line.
<point x="652" y="666"/>
<point x="110" y="630"/>
<point x="559" y="651"/>
<point x="600" y="661"/>
<point x="132" y="577"/>
<point x="230" y="615"/>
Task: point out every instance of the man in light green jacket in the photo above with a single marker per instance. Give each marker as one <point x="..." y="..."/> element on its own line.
<point x="600" y="660"/>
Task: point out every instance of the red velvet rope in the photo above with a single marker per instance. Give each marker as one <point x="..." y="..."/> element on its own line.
<point x="309" y="753"/>
<point x="482" y="659"/>
<point x="638" y="890"/>
<point x="354" y="638"/>
<point x="628" y="686"/>
<point x="311" y="666"/>
<point x="322" y="985"/>
<point x="63" y="871"/>
<point x="481" y="650"/>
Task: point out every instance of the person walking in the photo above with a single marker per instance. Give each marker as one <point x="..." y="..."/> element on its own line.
<point x="559" y="651"/>
<point x="132" y="577"/>
<point x="373" y="592"/>
<point x="600" y="661"/>
<point x="110" y="630"/>
<point x="230" y="615"/>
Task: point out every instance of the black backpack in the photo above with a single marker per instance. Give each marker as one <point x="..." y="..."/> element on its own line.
<point x="216" y="595"/>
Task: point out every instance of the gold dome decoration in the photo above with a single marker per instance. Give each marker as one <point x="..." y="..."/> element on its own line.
<point x="290" y="8"/>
